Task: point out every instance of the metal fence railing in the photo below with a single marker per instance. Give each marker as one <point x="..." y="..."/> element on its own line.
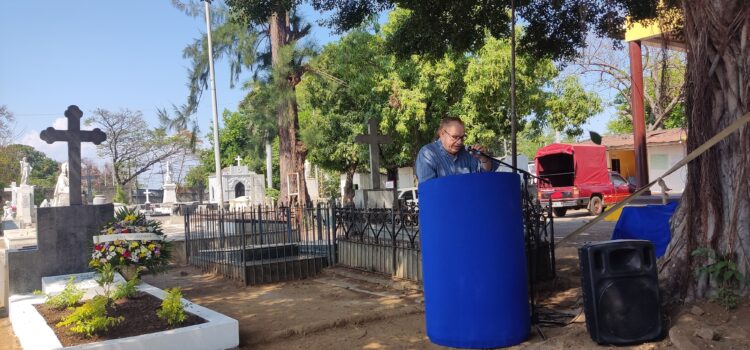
<point x="271" y="244"/>
<point x="261" y="245"/>
<point x="380" y="240"/>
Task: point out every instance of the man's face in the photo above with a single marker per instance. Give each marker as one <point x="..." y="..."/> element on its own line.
<point x="452" y="137"/>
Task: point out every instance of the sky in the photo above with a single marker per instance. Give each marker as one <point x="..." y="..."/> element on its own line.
<point x="101" y="54"/>
<point x="107" y="54"/>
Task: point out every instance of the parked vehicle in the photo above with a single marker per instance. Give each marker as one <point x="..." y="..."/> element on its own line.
<point x="409" y="195"/>
<point x="578" y="178"/>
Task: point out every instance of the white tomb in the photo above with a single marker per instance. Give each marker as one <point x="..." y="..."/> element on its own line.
<point x="238" y="181"/>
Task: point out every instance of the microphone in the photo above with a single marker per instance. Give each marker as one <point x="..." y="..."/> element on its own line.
<point x="475" y="152"/>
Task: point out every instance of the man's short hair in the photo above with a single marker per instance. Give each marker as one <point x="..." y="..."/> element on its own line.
<point x="444" y="123"/>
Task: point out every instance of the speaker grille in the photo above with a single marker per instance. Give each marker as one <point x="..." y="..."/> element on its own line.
<point x="621" y="308"/>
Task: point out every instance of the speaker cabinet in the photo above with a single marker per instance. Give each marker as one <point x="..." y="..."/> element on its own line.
<point x="620" y="291"/>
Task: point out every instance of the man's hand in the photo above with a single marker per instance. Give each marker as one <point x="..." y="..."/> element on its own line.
<point x="484" y="160"/>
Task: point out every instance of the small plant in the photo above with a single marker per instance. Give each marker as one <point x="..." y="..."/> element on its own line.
<point x="172" y="311"/>
<point x="91" y="317"/>
<point x="69" y="297"/>
<point x="126" y="290"/>
<point x="723" y="271"/>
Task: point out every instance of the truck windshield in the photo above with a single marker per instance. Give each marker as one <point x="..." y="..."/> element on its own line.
<point x="558" y="168"/>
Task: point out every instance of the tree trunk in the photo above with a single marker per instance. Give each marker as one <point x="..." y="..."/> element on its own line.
<point x="349" y="188"/>
<point x="715" y="207"/>
<point x="291" y="150"/>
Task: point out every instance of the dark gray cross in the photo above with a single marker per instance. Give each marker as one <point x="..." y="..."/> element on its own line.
<point x="74" y="136"/>
<point x="374" y="140"/>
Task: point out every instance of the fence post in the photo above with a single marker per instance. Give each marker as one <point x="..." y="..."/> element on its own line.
<point x="243" y="247"/>
<point x="289" y="223"/>
<point x="320" y="222"/>
<point x="187" y="237"/>
<point x="394" y="239"/>
<point x="332" y="234"/>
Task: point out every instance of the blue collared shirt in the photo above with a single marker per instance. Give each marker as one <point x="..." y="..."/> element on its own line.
<point x="434" y="161"/>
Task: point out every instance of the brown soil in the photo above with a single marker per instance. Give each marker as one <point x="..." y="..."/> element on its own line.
<point x="139" y="315"/>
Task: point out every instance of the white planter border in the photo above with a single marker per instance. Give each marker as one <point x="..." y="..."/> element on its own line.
<point x="218" y="332"/>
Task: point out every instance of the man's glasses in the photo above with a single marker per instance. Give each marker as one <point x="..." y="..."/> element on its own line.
<point x="456" y="138"/>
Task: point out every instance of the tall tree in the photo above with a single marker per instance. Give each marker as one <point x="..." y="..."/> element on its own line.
<point x="714" y="211"/>
<point x="131" y="146"/>
<point x="255" y="23"/>
<point x="664" y="81"/>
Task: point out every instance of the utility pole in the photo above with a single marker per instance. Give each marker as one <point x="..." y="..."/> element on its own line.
<point x="513" y="84"/>
<point x="217" y="155"/>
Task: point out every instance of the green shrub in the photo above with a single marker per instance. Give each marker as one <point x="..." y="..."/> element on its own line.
<point x="172" y="311"/>
<point x="69" y="297"/>
<point x="723" y="271"/>
<point x="90" y="317"/>
<point x="126" y="290"/>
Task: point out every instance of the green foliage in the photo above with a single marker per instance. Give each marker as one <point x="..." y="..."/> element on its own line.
<point x="120" y="196"/>
<point x="172" y="311"/>
<point x="272" y="193"/>
<point x="69" y="297"/>
<point x="723" y="271"/>
<point x="126" y="290"/>
<point x="91" y="317"/>
<point x="105" y="275"/>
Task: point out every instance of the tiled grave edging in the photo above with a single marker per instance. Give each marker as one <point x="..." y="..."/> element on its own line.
<point x="219" y="331"/>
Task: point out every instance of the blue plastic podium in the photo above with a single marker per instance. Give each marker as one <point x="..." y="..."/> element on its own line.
<point x="474" y="265"/>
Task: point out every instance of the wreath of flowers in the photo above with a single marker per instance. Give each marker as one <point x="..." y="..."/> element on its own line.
<point x="147" y="248"/>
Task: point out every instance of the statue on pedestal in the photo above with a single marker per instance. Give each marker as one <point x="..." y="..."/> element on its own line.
<point x="25" y="171"/>
<point x="62" y="188"/>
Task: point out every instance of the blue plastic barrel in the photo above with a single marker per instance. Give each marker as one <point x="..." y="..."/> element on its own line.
<point x="473" y="259"/>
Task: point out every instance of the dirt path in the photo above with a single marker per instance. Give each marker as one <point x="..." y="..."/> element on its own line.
<point x="346" y="309"/>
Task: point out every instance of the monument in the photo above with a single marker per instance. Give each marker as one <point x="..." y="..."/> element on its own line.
<point x="238" y="181"/>
<point x="170" y="196"/>
<point x="61" y="196"/>
<point x="64" y="233"/>
<point x="375" y="197"/>
<point x="74" y="136"/>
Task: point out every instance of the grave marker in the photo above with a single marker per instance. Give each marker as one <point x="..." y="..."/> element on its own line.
<point x="374" y="140"/>
<point x="74" y="136"/>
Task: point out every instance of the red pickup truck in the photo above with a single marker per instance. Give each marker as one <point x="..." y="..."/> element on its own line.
<point x="578" y="178"/>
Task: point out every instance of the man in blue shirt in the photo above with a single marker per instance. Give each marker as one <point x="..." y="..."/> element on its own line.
<point x="447" y="155"/>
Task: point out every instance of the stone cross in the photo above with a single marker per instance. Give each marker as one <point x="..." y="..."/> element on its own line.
<point x="74" y="136"/>
<point x="147" y="192"/>
<point x="13" y="189"/>
<point x="374" y="140"/>
<point x="238" y="159"/>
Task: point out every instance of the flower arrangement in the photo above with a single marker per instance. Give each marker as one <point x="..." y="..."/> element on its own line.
<point x="130" y="240"/>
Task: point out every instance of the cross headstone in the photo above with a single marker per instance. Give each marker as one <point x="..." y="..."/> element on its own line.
<point x="147" y="192"/>
<point x="374" y="140"/>
<point x="74" y="136"/>
<point x="13" y="189"/>
<point x="238" y="159"/>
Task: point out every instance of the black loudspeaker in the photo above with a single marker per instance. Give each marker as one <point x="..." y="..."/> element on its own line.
<point x="620" y="291"/>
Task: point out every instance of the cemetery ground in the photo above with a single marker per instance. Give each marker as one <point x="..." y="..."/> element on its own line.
<point x="349" y="309"/>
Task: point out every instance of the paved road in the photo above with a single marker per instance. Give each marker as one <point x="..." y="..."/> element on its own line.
<point x="564" y="226"/>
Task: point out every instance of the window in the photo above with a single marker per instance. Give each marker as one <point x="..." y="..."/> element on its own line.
<point x="617" y="180"/>
<point x="616" y="165"/>
<point x="659" y="161"/>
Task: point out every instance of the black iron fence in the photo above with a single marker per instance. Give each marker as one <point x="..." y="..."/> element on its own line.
<point x="380" y="240"/>
<point x="271" y="244"/>
<point x="261" y="245"/>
